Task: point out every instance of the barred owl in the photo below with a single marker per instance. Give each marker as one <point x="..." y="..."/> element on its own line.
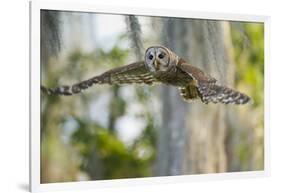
<point x="161" y="65"/>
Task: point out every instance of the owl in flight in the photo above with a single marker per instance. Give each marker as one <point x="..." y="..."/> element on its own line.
<point x="161" y="65"/>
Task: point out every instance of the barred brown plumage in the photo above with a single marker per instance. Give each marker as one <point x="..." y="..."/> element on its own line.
<point x="161" y="65"/>
<point x="216" y="93"/>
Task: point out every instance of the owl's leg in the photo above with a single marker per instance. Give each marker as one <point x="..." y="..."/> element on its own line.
<point x="189" y="92"/>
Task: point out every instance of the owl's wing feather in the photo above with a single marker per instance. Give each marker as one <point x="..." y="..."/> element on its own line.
<point x="197" y="74"/>
<point x="220" y="94"/>
<point x="129" y="74"/>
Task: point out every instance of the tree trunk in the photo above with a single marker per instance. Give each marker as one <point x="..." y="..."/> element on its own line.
<point x="53" y="153"/>
<point x="192" y="136"/>
<point x="172" y="137"/>
<point x="206" y="136"/>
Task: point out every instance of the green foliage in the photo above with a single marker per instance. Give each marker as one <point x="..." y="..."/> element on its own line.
<point x="117" y="160"/>
<point x="115" y="57"/>
<point x="248" y="42"/>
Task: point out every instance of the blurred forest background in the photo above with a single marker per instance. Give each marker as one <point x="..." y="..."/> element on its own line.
<point x="113" y="132"/>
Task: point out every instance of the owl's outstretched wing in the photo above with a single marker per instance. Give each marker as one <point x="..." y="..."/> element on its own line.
<point x="221" y="94"/>
<point x="129" y="74"/>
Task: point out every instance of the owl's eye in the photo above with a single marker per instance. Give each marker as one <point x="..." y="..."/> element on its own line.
<point x="161" y="55"/>
<point x="150" y="57"/>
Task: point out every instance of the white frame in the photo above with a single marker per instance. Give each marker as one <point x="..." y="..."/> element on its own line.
<point x="34" y="179"/>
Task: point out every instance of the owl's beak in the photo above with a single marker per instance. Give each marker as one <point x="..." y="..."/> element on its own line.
<point x="156" y="64"/>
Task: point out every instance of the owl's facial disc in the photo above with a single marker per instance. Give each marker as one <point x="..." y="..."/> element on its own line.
<point x="157" y="59"/>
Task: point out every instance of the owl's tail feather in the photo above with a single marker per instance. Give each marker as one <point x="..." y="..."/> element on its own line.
<point x="221" y="94"/>
<point x="74" y="89"/>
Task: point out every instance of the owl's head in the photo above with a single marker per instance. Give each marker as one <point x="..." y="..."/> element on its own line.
<point x="160" y="58"/>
